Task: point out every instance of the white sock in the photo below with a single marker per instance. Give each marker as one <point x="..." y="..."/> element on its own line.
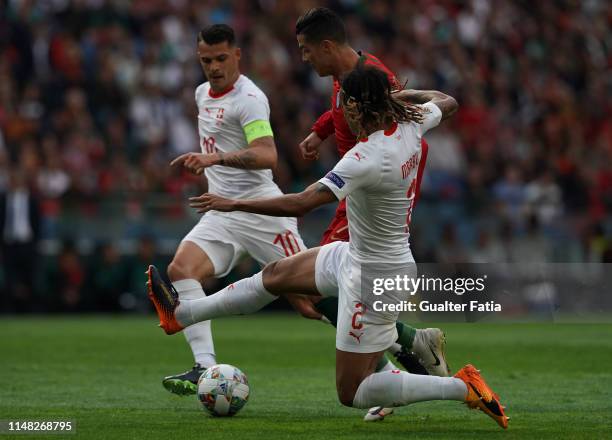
<point x="199" y="336"/>
<point x="401" y="388"/>
<point x="240" y="298"/>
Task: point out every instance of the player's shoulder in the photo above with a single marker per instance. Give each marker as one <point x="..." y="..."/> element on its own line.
<point x="373" y="61"/>
<point x="366" y="152"/>
<point x="406" y="130"/>
<point x="388" y="141"/>
<point x="201" y="91"/>
<point x="246" y="88"/>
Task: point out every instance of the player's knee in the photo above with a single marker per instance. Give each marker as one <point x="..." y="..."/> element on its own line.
<point x="179" y="271"/>
<point x="346" y="390"/>
<point x="271" y="275"/>
<point x="185" y="266"/>
<point x="346" y="396"/>
<point x="174" y="271"/>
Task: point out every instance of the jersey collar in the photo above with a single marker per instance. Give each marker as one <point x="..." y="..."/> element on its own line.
<point x="389" y="131"/>
<point x="215" y="95"/>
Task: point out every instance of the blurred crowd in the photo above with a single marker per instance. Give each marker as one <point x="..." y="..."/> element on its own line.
<point x="97" y="96"/>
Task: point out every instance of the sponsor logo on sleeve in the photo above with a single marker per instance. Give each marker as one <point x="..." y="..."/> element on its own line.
<point x="335" y="178"/>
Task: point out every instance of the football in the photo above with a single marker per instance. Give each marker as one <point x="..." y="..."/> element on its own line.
<point x="223" y="390"/>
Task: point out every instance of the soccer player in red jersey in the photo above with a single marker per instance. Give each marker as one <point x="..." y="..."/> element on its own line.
<point x="322" y="39"/>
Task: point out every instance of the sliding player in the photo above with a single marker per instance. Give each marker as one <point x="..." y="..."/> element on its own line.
<point x="378" y="176"/>
<point x="322" y="40"/>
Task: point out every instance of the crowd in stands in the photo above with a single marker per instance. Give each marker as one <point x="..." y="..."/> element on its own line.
<point x="97" y="96"/>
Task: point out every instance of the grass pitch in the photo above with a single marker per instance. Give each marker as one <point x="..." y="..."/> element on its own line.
<point x="105" y="373"/>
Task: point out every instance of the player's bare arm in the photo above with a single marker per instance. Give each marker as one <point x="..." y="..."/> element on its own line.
<point x="261" y="154"/>
<point x="447" y="104"/>
<point x="288" y="205"/>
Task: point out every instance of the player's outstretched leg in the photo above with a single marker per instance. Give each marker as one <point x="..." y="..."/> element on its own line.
<point x="401" y="388"/>
<point x="427" y="358"/>
<point x="294" y="274"/>
<point x="248" y="296"/>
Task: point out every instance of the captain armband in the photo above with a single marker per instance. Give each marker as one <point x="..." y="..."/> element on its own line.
<point x="257" y="129"/>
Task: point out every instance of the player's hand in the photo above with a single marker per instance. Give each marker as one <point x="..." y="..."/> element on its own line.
<point x="310" y="146"/>
<point x="303" y="305"/>
<point x="196" y="162"/>
<point x="211" y="202"/>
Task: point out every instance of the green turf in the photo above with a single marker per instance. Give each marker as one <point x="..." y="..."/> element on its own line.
<point x="556" y="380"/>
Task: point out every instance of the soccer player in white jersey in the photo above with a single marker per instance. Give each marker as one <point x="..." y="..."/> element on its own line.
<point x="238" y="152"/>
<point x="376" y="176"/>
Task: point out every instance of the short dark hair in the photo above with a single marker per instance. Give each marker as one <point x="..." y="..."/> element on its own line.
<point x="217" y="33"/>
<point x="320" y="24"/>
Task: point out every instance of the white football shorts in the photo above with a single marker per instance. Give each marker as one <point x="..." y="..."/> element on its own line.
<point x="227" y="236"/>
<point x="361" y="329"/>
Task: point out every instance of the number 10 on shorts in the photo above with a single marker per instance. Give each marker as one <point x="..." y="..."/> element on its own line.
<point x="288" y="242"/>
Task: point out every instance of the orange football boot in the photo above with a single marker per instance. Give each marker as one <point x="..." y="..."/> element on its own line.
<point x="481" y="396"/>
<point x="165" y="299"/>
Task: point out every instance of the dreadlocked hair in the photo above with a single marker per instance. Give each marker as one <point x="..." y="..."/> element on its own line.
<point x="368" y="101"/>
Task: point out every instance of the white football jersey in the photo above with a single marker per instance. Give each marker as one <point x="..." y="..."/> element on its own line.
<point x="379" y="175"/>
<point x="221" y="118"/>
